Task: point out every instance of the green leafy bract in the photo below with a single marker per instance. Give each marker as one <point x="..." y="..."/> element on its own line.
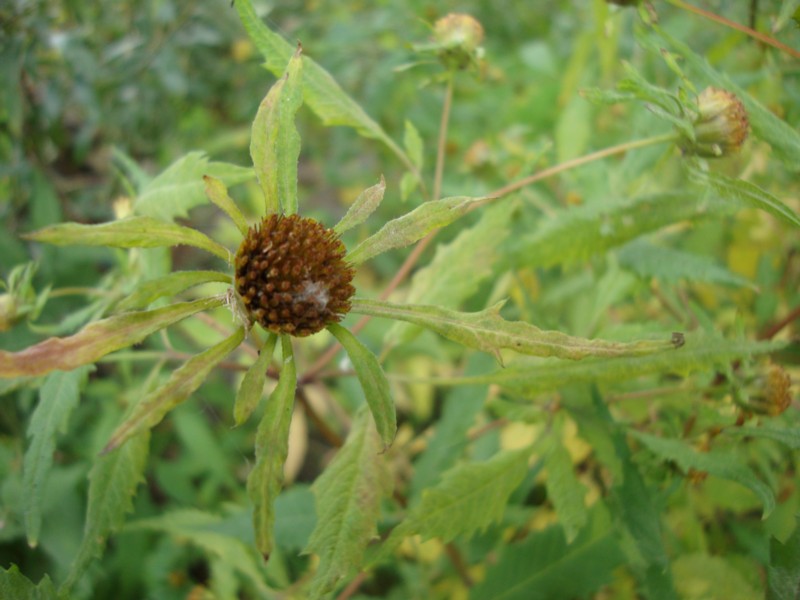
<point x="362" y="207"/>
<point x="217" y="192"/>
<point x="169" y="285"/>
<point x="272" y="447"/>
<point x="252" y="386"/>
<point x="373" y="381"/>
<point x="181" y="384"/>
<point x="14" y="585"/>
<point x="133" y="232"/>
<point x="97" y="339"/>
<point x="348" y="496"/>
<point x="489" y="332"/>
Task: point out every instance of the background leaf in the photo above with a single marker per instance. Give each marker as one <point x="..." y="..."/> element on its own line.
<point x="362" y="207"/>
<point x="563" y="488"/>
<point x="169" y="285"/>
<point x="14" y="584"/>
<point x="783" y="572"/>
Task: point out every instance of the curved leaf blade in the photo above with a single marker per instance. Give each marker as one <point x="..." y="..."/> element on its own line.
<point x="252" y="386"/>
<point x="97" y="339"/>
<point x="373" y="381"/>
<point x="217" y="192"/>
<point x="362" y="207"/>
<point x="181" y="384"/>
<point x="148" y="292"/>
<point x="133" y="232"/>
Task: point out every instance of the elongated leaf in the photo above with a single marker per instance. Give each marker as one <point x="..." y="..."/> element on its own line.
<point x="489" y="332"/>
<point x="766" y="125"/>
<point x="470" y="497"/>
<point x="133" y="232"/>
<point x="670" y="265"/>
<point x="458" y="268"/>
<point x="545" y="567"/>
<point x="252" y="386"/>
<point x="362" y="207"/>
<point x="413" y="226"/>
<point x="275" y="143"/>
<point x="57" y="399"/>
<point x="272" y="447"/>
<point x="699" y="353"/>
<point x="320" y="91"/>
<point x="719" y="464"/>
<point x="181" y="384"/>
<point x="148" y="292"/>
<point x="112" y="486"/>
<point x="746" y="192"/>
<point x="348" y="496"/>
<point x="15" y="586"/>
<point x="785" y="435"/>
<point x="783" y="572"/>
<point x="564" y="490"/>
<point x="373" y="381"/>
<point x="97" y="339"/>
<point x="180" y="187"/>
<point x="217" y="192"/>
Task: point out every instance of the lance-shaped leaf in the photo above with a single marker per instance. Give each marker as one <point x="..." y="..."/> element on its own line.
<point x="489" y="332"/>
<point x="133" y="232"/>
<point x="181" y="384"/>
<point x="112" y="486"/>
<point x="720" y="464"/>
<point x="272" y="447"/>
<point x="321" y="92"/>
<point x="563" y="488"/>
<point x="218" y="194"/>
<point x="252" y="385"/>
<point x="180" y="187"/>
<point x="57" y="398"/>
<point x="363" y="207"/>
<point x="348" y="496"/>
<point x="14" y="584"/>
<point x="413" y="226"/>
<point x="746" y="192"/>
<point x="789" y="436"/>
<point x="373" y="381"/>
<point x="469" y="498"/>
<point x="148" y="292"/>
<point x="97" y="339"/>
<point x="275" y="143"/>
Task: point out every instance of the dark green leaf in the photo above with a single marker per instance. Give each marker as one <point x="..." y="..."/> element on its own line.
<point x="15" y="586"/>
<point x="783" y="572"/>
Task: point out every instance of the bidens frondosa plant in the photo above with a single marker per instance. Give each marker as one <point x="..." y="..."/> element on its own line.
<point x="289" y="277"/>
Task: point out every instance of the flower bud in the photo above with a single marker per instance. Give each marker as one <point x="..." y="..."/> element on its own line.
<point x="775" y="396"/>
<point x="458" y="38"/>
<point x="721" y="125"/>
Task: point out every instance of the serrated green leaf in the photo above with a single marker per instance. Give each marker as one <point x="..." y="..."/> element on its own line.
<point x="413" y="143"/>
<point x="413" y="226"/>
<point x="15" y="586"/>
<point x="58" y="396"/>
<point x="217" y="192"/>
<point x="275" y="143"/>
<point x="252" y="386"/>
<point x="320" y="91"/>
<point x="458" y="268"/>
<point x="788" y="436"/>
<point x="699" y="352"/>
<point x="180" y="187"/>
<point x="563" y="488"/>
<point x="469" y="498"/>
<point x="272" y="447"/>
<point x="671" y="265"/>
<point x="362" y="207"/>
<point x="182" y="383"/>
<point x="746" y="192"/>
<point x="765" y="124"/>
<point x="149" y="291"/>
<point x="373" y="381"/>
<point x="545" y="567"/>
<point x="575" y="234"/>
<point x="489" y="332"/>
<point x="717" y="463"/>
<point x="783" y="572"/>
<point x="348" y="496"/>
<point x="112" y="486"/>
<point x="133" y="232"/>
<point x="97" y="339"/>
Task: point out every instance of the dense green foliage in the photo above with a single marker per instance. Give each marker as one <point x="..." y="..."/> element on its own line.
<point x="571" y="365"/>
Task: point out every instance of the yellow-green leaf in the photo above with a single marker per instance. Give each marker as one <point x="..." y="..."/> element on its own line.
<point x="218" y="194"/>
<point x="362" y="207"/>
<point x="148" y="292"/>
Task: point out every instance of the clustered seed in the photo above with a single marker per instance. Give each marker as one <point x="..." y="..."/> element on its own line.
<point x="292" y="276"/>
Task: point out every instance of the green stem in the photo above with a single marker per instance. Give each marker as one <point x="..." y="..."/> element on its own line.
<point x="737" y="26"/>
<point x="442" y="145"/>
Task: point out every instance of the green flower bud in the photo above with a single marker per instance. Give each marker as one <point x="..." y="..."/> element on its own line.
<point x="721" y="125"/>
<point x="458" y="38"/>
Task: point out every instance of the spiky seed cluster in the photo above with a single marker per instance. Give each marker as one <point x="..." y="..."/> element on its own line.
<point x="292" y="276"/>
<point x="721" y="126"/>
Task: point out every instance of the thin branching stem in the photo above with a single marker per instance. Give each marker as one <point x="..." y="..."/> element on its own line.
<point x="441" y="147"/>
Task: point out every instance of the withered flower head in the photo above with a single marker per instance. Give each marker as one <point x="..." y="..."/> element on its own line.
<point x="775" y="397"/>
<point x="721" y="125"/>
<point x="459" y="37"/>
<point x="292" y="276"/>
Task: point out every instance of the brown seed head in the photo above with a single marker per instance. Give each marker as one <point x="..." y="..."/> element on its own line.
<point x="292" y="276"/>
<point x="721" y="126"/>
<point x="775" y="394"/>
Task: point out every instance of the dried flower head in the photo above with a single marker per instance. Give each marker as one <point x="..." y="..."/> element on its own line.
<point x="721" y="125"/>
<point x="458" y="37"/>
<point x="775" y="396"/>
<point x="292" y="276"/>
